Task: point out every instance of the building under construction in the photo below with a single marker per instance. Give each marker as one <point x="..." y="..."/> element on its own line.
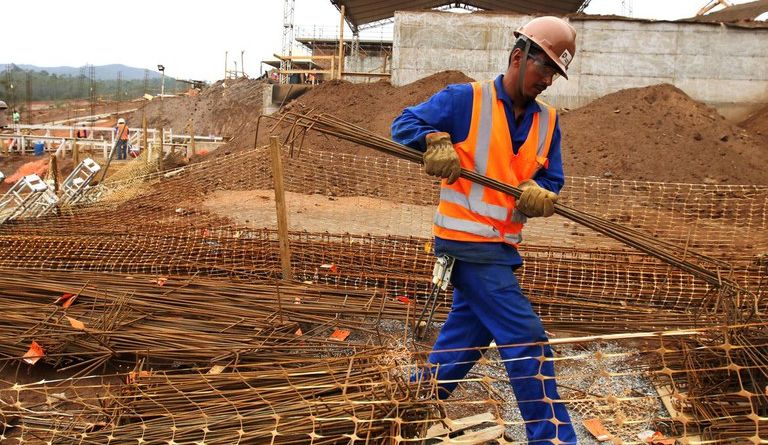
<point x="261" y="269"/>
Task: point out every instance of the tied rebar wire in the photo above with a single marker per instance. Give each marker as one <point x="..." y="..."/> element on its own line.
<point x="371" y="285"/>
<point x="371" y="396"/>
<point x="364" y="397"/>
<point x="667" y="252"/>
<point x="182" y="321"/>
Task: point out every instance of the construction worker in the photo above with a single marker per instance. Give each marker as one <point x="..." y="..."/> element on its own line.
<point x="122" y="139"/>
<point x="497" y="129"/>
<point x="16" y="117"/>
<point x="82" y="132"/>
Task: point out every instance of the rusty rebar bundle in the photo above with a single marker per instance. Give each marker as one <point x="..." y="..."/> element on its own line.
<point x="183" y="321"/>
<point x="674" y="255"/>
<point x="364" y="397"/>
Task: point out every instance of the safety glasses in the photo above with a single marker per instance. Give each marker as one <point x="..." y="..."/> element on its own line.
<point x="544" y="68"/>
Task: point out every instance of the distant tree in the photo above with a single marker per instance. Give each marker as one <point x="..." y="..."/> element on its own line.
<point x="47" y="86"/>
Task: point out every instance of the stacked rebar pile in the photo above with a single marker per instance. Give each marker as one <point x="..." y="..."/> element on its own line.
<point x="179" y="321"/>
<point x="154" y="278"/>
<point x="365" y="397"/>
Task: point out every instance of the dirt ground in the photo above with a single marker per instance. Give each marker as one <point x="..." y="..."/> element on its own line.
<point x="364" y="215"/>
<point x="655" y="133"/>
<point x="16" y="166"/>
<point x="320" y="213"/>
<point x="371" y="105"/>
<point x="53" y="111"/>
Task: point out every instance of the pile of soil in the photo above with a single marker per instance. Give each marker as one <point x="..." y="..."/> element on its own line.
<point x="227" y="108"/>
<point x="16" y="166"/>
<point x="757" y="123"/>
<point x="372" y="106"/>
<point x="654" y="133"/>
<point x="658" y="133"/>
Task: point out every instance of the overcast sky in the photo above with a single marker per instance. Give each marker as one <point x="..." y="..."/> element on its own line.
<point x="190" y="38"/>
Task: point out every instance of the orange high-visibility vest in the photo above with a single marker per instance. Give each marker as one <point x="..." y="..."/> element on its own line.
<point x="472" y="212"/>
<point x="122" y="132"/>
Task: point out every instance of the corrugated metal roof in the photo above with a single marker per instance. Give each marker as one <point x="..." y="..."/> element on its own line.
<point x="361" y="12"/>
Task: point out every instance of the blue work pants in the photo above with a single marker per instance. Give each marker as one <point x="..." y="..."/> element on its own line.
<point x="488" y="304"/>
<point x="122" y="148"/>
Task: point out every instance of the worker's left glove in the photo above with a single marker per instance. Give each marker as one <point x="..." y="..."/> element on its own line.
<point x="441" y="159"/>
<point x="535" y="201"/>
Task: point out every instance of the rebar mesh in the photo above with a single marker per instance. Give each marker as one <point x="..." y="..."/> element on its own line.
<point x="178" y="269"/>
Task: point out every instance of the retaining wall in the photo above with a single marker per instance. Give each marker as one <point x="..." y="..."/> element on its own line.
<point x="722" y="66"/>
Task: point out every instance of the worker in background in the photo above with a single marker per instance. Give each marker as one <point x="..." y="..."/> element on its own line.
<point x="122" y="139"/>
<point x="82" y="132"/>
<point x="497" y="129"/>
<point x="16" y="117"/>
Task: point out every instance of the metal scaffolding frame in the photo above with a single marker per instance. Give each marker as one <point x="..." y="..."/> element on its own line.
<point x="30" y="196"/>
<point x="78" y="182"/>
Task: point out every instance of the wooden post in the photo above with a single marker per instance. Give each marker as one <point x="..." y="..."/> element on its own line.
<point x="160" y="151"/>
<point x="192" y="149"/>
<point x="282" y="210"/>
<point x="53" y="172"/>
<point x="145" y="146"/>
<point x="341" y="42"/>
<point x="72" y="134"/>
<point x="75" y="151"/>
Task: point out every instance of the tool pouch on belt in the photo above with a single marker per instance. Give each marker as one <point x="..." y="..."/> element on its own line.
<point x="441" y="274"/>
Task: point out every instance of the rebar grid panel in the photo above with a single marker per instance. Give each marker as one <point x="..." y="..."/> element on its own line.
<point x="697" y="386"/>
<point x="300" y="123"/>
<point x="155" y="215"/>
<point x="334" y="400"/>
<point x="572" y="292"/>
<point x="722" y="221"/>
<point x="585" y="286"/>
<point x="180" y="223"/>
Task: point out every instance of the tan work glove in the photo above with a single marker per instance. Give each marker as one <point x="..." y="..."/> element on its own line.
<point x="535" y="201"/>
<point x="441" y="159"/>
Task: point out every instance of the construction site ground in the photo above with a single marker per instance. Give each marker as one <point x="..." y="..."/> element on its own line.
<point x="651" y="158"/>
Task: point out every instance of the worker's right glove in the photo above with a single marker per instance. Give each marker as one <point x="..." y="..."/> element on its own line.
<point x="441" y="159"/>
<point x="535" y="201"/>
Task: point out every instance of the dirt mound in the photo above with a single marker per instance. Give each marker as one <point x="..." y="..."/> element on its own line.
<point x="658" y="133"/>
<point x="226" y="108"/>
<point x="757" y="123"/>
<point x="370" y="105"/>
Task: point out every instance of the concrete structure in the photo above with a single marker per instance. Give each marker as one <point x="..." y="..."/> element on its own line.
<point x="363" y="56"/>
<point x="722" y="66"/>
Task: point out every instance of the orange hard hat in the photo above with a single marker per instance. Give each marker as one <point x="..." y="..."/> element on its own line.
<point x="555" y="36"/>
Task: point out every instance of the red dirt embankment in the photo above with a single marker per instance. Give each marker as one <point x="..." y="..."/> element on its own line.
<point x="372" y="106"/>
<point x="757" y="123"/>
<point x="227" y="108"/>
<point x="658" y="133"/>
<point x="655" y="133"/>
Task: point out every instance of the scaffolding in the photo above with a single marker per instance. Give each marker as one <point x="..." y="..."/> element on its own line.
<point x="77" y="184"/>
<point x="30" y="196"/>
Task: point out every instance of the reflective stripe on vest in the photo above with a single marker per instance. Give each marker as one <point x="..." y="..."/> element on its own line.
<point x="474" y="202"/>
<point x="475" y="228"/>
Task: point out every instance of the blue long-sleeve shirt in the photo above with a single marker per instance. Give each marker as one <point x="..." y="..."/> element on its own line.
<point x="450" y="111"/>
